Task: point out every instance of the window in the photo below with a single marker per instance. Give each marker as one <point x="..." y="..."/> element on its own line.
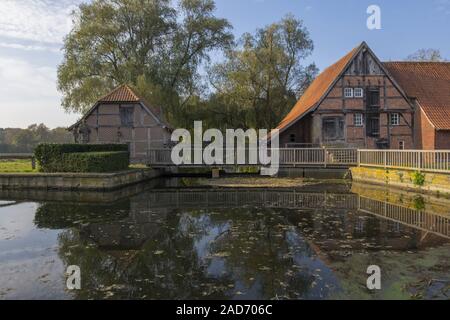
<point x="348" y="92"/>
<point x="333" y="128"/>
<point x="401" y="145"/>
<point x="373" y="125"/>
<point x="358" y="119"/>
<point x="292" y="138"/>
<point x="394" y="119"/>
<point x="373" y="99"/>
<point x="126" y="116"/>
<point x="359" y="93"/>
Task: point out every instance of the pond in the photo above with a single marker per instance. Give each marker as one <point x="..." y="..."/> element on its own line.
<point x="178" y="240"/>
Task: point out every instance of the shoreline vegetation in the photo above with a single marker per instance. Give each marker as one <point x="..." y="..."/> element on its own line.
<point x="24" y="166"/>
<point x="17" y="166"/>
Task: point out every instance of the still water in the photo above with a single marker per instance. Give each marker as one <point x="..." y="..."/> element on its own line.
<point x="175" y="240"/>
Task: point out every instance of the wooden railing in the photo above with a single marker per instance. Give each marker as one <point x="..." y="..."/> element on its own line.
<point x="417" y="160"/>
<point x="316" y="157"/>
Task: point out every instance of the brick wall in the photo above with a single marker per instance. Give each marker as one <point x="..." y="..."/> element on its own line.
<point x="442" y="139"/>
<point x="105" y="127"/>
<point x="424" y="132"/>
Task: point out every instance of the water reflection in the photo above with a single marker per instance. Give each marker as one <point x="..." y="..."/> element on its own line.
<point x="184" y="243"/>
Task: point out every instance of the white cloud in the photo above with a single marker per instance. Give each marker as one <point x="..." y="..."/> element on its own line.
<point x="45" y="21"/>
<point x="28" y="95"/>
<point x="29" y="47"/>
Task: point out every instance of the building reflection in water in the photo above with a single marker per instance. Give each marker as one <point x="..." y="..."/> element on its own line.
<point x="235" y="243"/>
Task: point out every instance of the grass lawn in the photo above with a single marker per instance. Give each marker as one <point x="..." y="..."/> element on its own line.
<point x="16" y="166"/>
<point x="24" y="166"/>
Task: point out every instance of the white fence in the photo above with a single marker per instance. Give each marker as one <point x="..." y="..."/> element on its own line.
<point x="417" y="160"/>
<point x="315" y="157"/>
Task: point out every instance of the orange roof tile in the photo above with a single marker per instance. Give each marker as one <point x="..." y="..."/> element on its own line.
<point x="121" y="94"/>
<point x="317" y="90"/>
<point x="429" y="83"/>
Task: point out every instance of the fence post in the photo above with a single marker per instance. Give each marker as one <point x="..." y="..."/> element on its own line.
<point x="385" y="158"/>
<point x="358" y="158"/>
<point x="420" y="160"/>
<point x="325" y="156"/>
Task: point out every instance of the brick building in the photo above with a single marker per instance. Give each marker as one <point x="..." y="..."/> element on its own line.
<point x="427" y="85"/>
<point x="123" y="117"/>
<point x="355" y="102"/>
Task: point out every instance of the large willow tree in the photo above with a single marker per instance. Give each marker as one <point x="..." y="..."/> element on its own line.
<point x="262" y="78"/>
<point x="150" y="44"/>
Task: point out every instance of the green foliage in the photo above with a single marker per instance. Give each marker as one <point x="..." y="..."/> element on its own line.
<point x="96" y="161"/>
<point x="14" y="140"/>
<point x="50" y="157"/>
<point x="145" y="43"/>
<point x="16" y="165"/>
<point x="158" y="47"/>
<point x="419" y="203"/>
<point x="262" y="79"/>
<point x="418" y="178"/>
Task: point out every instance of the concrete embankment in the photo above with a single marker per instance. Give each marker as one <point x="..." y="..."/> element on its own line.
<point x="431" y="182"/>
<point x="76" y="181"/>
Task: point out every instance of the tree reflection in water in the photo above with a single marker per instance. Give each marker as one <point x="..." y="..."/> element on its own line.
<point x="136" y="249"/>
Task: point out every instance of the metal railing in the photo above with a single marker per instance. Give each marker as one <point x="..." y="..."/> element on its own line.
<point x="417" y="160"/>
<point x="226" y="198"/>
<point x="418" y="219"/>
<point x="316" y="157"/>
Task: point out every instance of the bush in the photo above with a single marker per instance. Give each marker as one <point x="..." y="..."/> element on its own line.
<point x="96" y="161"/>
<point x="50" y="156"/>
<point x="418" y="178"/>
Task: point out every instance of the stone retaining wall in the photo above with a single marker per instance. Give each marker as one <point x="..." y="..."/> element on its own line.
<point x="76" y="181"/>
<point x="433" y="182"/>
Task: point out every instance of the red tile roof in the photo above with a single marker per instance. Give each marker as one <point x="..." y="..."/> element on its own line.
<point x="124" y="94"/>
<point x="317" y="90"/>
<point x="121" y="94"/>
<point x="429" y="83"/>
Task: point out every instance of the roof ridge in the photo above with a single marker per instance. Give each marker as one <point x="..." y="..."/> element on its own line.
<point x="421" y="62"/>
<point x="132" y="92"/>
<point x="320" y="85"/>
<point x="129" y="90"/>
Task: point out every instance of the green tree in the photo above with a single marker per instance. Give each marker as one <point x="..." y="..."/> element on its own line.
<point x="262" y="78"/>
<point x="14" y="140"/>
<point x="145" y="43"/>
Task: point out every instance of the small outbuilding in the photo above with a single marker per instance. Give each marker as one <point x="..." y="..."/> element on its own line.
<point x="122" y="116"/>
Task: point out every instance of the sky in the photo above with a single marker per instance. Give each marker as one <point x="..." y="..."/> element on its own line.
<point x="32" y="33"/>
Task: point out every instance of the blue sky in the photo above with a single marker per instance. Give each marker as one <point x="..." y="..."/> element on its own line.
<point x="31" y="33"/>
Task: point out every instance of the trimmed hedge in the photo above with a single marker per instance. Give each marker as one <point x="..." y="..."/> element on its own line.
<point x="96" y="161"/>
<point x="50" y="156"/>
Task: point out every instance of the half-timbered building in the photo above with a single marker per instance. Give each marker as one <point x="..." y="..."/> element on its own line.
<point x="355" y="102"/>
<point x="122" y="116"/>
